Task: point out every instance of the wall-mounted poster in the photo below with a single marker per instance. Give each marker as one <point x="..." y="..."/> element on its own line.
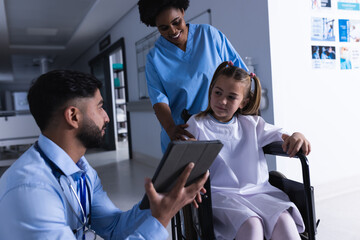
<point x="322" y="29"/>
<point x="317" y="4"/>
<point x="349" y="58"/>
<point x="20" y="101"/>
<point x="353" y="5"/>
<point x="349" y="30"/>
<point x="323" y="57"/>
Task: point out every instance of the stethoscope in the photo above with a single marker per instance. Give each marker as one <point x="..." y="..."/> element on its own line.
<point x="88" y="234"/>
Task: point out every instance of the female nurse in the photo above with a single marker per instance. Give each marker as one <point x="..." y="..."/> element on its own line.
<point x="180" y="66"/>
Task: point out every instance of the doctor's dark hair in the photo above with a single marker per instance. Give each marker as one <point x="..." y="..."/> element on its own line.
<point x="150" y="9"/>
<point x="238" y="74"/>
<point x="51" y="91"/>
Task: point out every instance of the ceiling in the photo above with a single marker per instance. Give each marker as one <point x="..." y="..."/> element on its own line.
<point x="54" y="32"/>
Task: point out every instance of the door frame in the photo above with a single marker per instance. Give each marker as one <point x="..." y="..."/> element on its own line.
<point x="107" y="88"/>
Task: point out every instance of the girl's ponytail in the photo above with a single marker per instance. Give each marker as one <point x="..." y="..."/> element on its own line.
<point x="252" y="108"/>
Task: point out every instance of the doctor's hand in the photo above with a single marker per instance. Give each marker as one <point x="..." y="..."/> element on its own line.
<point x="292" y="144"/>
<point x="178" y="132"/>
<point x="165" y="205"/>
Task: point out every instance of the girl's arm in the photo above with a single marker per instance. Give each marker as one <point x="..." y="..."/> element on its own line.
<point x="175" y="132"/>
<point x="292" y="144"/>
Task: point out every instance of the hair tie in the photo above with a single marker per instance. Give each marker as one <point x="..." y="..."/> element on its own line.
<point x="252" y="75"/>
<point x="230" y="63"/>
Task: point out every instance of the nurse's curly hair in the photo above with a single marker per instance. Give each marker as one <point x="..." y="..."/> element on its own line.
<point x="150" y="9"/>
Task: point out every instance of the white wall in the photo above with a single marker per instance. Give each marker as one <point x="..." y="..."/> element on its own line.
<point x="243" y="22"/>
<point x="321" y="103"/>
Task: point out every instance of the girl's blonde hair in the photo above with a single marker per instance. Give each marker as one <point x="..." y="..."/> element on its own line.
<point x="238" y="74"/>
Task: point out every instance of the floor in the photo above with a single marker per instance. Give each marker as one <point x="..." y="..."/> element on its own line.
<point x="123" y="180"/>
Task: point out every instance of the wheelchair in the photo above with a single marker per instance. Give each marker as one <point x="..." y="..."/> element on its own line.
<point x="191" y="223"/>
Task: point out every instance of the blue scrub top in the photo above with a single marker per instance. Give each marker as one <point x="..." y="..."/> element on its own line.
<point x="181" y="79"/>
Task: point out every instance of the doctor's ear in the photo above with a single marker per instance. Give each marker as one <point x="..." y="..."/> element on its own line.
<point x="72" y="116"/>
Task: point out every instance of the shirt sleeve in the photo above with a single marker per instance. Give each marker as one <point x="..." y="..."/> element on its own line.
<point x="155" y="88"/>
<point x="39" y="212"/>
<point x="145" y="226"/>
<point x="267" y="133"/>
<point x="226" y="50"/>
<point x="193" y="127"/>
<point x="112" y="223"/>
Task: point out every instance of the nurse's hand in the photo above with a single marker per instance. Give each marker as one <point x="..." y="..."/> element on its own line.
<point x="175" y="132"/>
<point x="178" y="132"/>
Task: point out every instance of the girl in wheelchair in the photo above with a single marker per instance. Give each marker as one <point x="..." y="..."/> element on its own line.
<point x="245" y="205"/>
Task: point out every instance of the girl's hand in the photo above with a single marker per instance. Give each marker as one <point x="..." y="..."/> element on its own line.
<point x="292" y="144"/>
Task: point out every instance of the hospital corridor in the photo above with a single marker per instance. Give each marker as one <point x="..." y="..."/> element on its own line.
<point x="116" y="81"/>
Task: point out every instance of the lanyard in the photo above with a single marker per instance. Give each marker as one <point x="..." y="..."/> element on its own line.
<point x="83" y="193"/>
<point x="57" y="172"/>
<point x="83" y="198"/>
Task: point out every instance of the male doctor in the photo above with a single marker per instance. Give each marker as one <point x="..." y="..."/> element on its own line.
<point x="51" y="191"/>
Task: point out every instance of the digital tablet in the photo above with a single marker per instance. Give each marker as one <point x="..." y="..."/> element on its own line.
<point x="177" y="156"/>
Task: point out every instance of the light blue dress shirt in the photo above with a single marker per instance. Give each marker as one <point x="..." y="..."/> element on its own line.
<point x="33" y="205"/>
<point x="182" y="79"/>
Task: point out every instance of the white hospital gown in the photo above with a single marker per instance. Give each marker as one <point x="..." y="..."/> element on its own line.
<point x="239" y="174"/>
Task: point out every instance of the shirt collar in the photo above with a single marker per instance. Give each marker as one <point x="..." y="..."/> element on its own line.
<point x="60" y="158"/>
<point x="225" y="123"/>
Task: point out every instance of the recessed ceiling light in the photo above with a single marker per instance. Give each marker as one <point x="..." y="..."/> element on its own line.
<point x="42" y="31"/>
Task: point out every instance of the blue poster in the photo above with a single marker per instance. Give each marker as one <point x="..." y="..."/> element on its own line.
<point x="344" y="30"/>
<point x="348" y="5"/>
<point x="349" y="30"/>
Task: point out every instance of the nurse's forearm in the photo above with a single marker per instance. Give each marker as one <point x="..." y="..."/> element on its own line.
<point x="163" y="114"/>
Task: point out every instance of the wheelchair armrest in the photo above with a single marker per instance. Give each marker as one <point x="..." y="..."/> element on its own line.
<point x="275" y="148"/>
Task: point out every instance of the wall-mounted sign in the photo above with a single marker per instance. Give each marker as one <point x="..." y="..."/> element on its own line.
<point x="104" y="43"/>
